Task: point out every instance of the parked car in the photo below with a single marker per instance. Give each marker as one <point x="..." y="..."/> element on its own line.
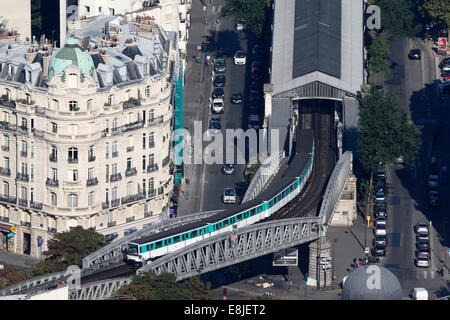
<point x="419" y="294"/>
<point x="380" y="229"/>
<point x="228" y="169"/>
<point x="254" y="107"/>
<point x="253" y="121"/>
<point x="217" y="105"/>
<point x="381" y="239"/>
<point x="214" y="126"/>
<point x="379" y="249"/>
<point x="423" y="236"/>
<point x="445" y="61"/>
<point x="256" y="86"/>
<point x="415" y="54"/>
<point x="219" y="81"/>
<point x="433" y="181"/>
<point x="240" y="58"/>
<point x="434" y="199"/>
<point x="380" y="220"/>
<point x="218" y="93"/>
<point x="423" y="247"/>
<point x="257" y="52"/>
<point x="220" y="65"/>
<point x="422" y="227"/>
<point x="380" y="212"/>
<point x="240" y="27"/>
<point x="229" y="195"/>
<point x="236" y="98"/>
<point x="254" y="97"/>
<point x="422" y="260"/>
<point x="380" y="196"/>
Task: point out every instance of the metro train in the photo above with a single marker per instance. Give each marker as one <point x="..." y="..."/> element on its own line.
<point x="277" y="195"/>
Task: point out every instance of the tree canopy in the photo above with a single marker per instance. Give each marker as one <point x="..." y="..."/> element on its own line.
<point x="384" y="131"/>
<point x="69" y="248"/>
<point x="438" y="11"/>
<point x="149" y="286"/>
<point x="378" y="55"/>
<point x="251" y="13"/>
<point x="10" y="276"/>
<point x="398" y="17"/>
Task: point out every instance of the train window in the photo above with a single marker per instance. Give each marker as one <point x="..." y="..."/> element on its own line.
<point x="225" y="223"/>
<point x="158" y="244"/>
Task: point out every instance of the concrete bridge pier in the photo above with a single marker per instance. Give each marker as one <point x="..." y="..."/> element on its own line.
<point x="320" y="265"/>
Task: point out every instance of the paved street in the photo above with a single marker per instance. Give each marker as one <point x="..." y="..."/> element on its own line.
<point x="203" y="185"/>
<point x="413" y="82"/>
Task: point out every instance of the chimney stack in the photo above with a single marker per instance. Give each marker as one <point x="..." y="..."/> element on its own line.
<point x="104" y="56"/>
<point x="45" y="64"/>
<point x="30" y="55"/>
<point x="10" y="50"/>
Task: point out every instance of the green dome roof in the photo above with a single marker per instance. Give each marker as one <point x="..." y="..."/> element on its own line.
<point x="70" y="54"/>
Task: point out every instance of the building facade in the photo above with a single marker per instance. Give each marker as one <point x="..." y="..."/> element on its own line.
<point x="17" y="17"/>
<point x="85" y="134"/>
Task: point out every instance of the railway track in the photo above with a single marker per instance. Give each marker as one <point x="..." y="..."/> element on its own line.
<point x="307" y="203"/>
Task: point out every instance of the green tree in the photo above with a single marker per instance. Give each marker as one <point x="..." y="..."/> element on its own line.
<point x="438" y="11"/>
<point x="69" y="248"/>
<point x="149" y="286"/>
<point x="398" y="17"/>
<point x="378" y="53"/>
<point x="251" y="13"/>
<point x="198" y="290"/>
<point x="10" y="276"/>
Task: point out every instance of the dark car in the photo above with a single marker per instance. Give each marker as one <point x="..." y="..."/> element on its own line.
<point x="228" y="169"/>
<point x="254" y="97"/>
<point x="236" y="98"/>
<point x="218" y="93"/>
<point x="380" y="239"/>
<point x="256" y="74"/>
<point x="257" y="52"/>
<point x="220" y="66"/>
<point x="423" y="247"/>
<point x="380" y="212"/>
<point x="215" y="125"/>
<point x="255" y="86"/>
<point x="219" y="81"/>
<point x="434" y="199"/>
<point x="379" y="250"/>
<point x="444" y="62"/>
<point x="254" y="107"/>
<point x="415" y="54"/>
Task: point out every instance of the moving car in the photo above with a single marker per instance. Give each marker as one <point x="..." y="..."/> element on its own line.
<point x="236" y="98"/>
<point x="228" y="169"/>
<point x="219" y="81"/>
<point x="422" y="260"/>
<point x="253" y="121"/>
<point x="422" y="227"/>
<point x="229" y="195"/>
<point x="218" y="93"/>
<point x="240" y="58"/>
<point x="415" y="54"/>
<point x="217" y="105"/>
<point x="220" y="66"/>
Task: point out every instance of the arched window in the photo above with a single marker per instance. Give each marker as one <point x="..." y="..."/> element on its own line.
<point x="72" y="80"/>
<point x="73" y="106"/>
<point x="72" y="155"/>
<point x="72" y="200"/>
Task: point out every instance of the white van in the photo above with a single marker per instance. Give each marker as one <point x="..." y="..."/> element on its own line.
<point x="419" y="294"/>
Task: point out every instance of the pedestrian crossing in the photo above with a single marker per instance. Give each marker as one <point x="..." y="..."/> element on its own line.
<point x="414" y="275"/>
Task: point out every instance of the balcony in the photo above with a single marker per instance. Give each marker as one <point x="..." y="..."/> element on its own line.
<point x="72" y="160"/>
<point x="115" y="154"/>
<point x="91" y="158"/>
<point x="115" y="202"/>
<point x="51" y="230"/>
<point x="133" y="126"/>
<point x="52" y="182"/>
<point x="22" y="130"/>
<point x="53" y="158"/>
<point x="8" y="126"/>
<point x="25" y="224"/>
<point x="131" y="103"/>
<point x="8" y="199"/>
<point x="5" y="171"/>
<point x="151" y="193"/>
<point x="5" y="148"/>
<point x="22" y="177"/>
<point x="113" y="223"/>
<point x="129" y="149"/>
<point x="130" y="172"/>
<point x="38" y="133"/>
<point x="155" y="121"/>
<point x="105" y="205"/>
<point x="160" y="191"/>
<point x="39" y="110"/>
<point x="36" y="205"/>
<point x="151" y="144"/>
<point x="5" y="219"/>
<point x="23" y="154"/>
<point x="133" y="198"/>
<point x="116" y="131"/>
<point x="91" y="182"/>
<point x="23" y="202"/>
<point x="130" y="219"/>
<point x="115" y="177"/>
<point x="152" y="168"/>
